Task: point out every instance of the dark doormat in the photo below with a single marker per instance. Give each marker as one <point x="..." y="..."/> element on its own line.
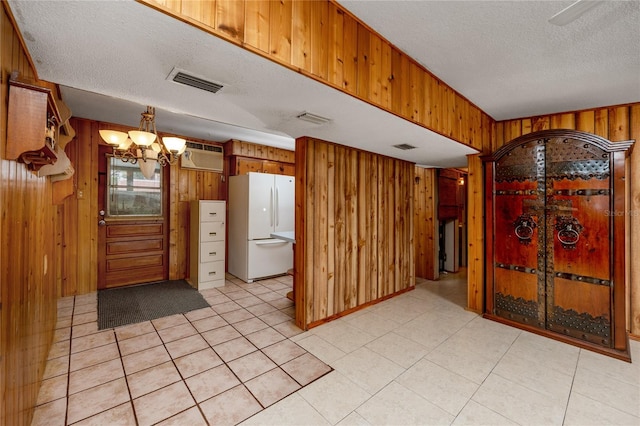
<point x="122" y="306"/>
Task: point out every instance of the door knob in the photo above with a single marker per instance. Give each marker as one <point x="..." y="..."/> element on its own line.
<point x="102" y="222"/>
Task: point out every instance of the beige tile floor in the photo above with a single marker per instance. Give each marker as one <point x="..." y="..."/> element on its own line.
<point x="416" y="359"/>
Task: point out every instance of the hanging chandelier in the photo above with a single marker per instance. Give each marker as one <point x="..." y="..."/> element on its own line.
<point x="143" y="146"/>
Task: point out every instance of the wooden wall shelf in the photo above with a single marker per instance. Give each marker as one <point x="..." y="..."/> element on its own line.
<point x="32" y="126"/>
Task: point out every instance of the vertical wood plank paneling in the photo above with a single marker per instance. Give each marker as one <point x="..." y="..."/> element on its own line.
<point x="365" y="224"/>
<point x="526" y="126"/>
<point x="28" y="224"/>
<point x="301" y="35"/>
<point x="499" y="136"/>
<point x="280" y="30"/>
<point x="634" y="223"/>
<point x="350" y="55"/>
<point x="375" y="69"/>
<point x="363" y="210"/>
<point x="257" y="18"/>
<point x="585" y="121"/>
<point x="424" y="203"/>
<point x="335" y="46"/>
<point x="320" y="231"/>
<point x="602" y="122"/>
<point x="382" y="228"/>
<point x="390" y="222"/>
<point x="303" y="289"/>
<point x="319" y="39"/>
<point x="306" y="239"/>
<point x="230" y="19"/>
<point x="374" y="211"/>
<point x="619" y="123"/>
<point x="331" y="229"/>
<point x="398" y="82"/>
<point x="475" y="229"/>
<point x="362" y="63"/>
<point x="340" y="224"/>
<point x="417" y="92"/>
<point x="540" y="123"/>
<point x="385" y="78"/>
<point x="351" y="227"/>
<point x="203" y="12"/>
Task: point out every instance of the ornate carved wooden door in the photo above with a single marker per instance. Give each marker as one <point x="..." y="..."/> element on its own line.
<point x="552" y="262"/>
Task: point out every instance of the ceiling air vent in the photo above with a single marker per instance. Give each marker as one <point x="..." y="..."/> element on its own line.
<point x="312" y="118"/>
<point x="197" y="82"/>
<point x="404" y="146"/>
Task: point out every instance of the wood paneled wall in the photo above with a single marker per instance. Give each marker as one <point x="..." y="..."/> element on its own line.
<point x="354" y="229"/>
<point x="79" y="223"/>
<point x="322" y="40"/>
<point x="616" y="123"/>
<point x="27" y="258"/>
<point x="425" y="223"/>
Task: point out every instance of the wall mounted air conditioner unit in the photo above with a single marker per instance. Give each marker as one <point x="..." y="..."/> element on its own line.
<point x="202" y="157"/>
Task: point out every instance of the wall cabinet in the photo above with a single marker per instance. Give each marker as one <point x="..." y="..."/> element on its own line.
<point x="243" y="165"/>
<point x="32" y="125"/>
<point x="556" y="238"/>
<point x="207" y="241"/>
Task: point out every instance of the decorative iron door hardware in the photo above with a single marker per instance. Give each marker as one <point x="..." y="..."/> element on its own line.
<point x="569" y="230"/>
<point x="523" y="228"/>
<point x="550" y="247"/>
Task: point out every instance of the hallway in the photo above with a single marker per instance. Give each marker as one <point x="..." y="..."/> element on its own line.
<point x="416" y="359"/>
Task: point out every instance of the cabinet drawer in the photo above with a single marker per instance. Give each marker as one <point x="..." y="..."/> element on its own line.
<point x="211" y="231"/>
<point x="212" y="212"/>
<point x="211" y="271"/>
<point x="211" y="251"/>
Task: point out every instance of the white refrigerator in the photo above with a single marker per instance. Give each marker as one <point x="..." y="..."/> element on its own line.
<point x="259" y="204"/>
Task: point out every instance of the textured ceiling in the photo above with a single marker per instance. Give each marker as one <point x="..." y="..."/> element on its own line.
<point x="509" y="60"/>
<point x="113" y="58"/>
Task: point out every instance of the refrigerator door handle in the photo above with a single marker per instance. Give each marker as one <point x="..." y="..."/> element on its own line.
<point x="276" y="208"/>
<point x="266" y="242"/>
<point x="271" y="209"/>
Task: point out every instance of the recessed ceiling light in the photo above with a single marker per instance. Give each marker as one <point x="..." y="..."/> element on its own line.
<point x="312" y="118"/>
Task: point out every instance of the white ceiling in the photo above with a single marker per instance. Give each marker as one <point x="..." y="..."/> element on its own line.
<point x="112" y="59"/>
<point x="509" y="60"/>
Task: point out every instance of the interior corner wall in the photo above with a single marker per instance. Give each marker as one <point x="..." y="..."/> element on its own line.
<point x="354" y="229"/>
<point x="425" y="223"/>
<point x="615" y="123"/>
<point x="27" y="258"/>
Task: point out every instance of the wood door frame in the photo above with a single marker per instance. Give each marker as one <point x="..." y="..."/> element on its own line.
<point x="103" y="154"/>
<point x="618" y="152"/>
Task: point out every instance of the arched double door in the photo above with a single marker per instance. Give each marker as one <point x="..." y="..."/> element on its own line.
<point x="555" y="238"/>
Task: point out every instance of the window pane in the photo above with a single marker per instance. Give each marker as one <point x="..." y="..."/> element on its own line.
<point x="130" y="194"/>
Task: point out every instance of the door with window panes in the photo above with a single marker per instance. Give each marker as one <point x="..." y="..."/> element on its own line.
<point x="132" y="228"/>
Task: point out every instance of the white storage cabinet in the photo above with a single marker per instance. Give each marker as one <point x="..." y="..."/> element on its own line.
<point x="207" y="244"/>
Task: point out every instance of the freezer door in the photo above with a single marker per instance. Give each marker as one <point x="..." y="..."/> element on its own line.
<point x="269" y="257"/>
<point x="261" y="203"/>
<point x="285" y="203"/>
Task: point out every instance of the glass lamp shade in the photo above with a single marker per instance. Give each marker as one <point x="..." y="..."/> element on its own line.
<point x="148" y="166"/>
<point x="113" y="137"/>
<point x="126" y="144"/>
<point x="156" y="147"/>
<point x="141" y="138"/>
<point x="174" y="144"/>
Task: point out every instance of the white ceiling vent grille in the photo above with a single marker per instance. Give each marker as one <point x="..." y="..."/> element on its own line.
<point x="313" y="118"/>
<point x="197" y="82"/>
<point x="404" y="146"/>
